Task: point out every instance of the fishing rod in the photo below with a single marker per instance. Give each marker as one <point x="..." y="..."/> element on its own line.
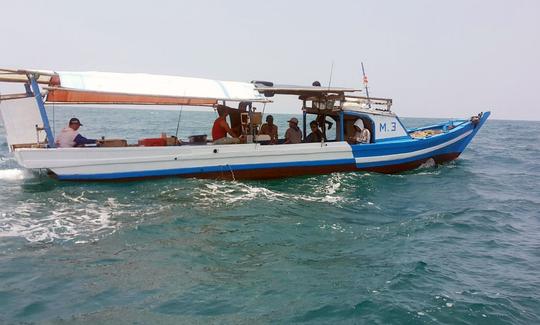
<point x="178" y="124"/>
<point x="179" y="119"/>
<point x="365" y="84"/>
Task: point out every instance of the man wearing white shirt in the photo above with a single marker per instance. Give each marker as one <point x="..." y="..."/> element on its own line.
<point x="70" y="137"/>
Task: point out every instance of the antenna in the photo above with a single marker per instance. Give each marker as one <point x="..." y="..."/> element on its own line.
<point x="331" y="72"/>
<point x="365" y="85"/>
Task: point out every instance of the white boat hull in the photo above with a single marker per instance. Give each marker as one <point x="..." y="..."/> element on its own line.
<point x="137" y="162"/>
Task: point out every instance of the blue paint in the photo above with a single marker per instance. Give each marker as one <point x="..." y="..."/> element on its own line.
<point x="396" y="147"/>
<point x="304" y="134"/>
<point x="396" y="139"/>
<point x="342" y="128"/>
<point x="42" y="111"/>
<point x="453" y="148"/>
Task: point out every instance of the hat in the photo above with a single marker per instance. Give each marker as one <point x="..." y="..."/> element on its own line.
<point x="359" y="123"/>
<point x="75" y="121"/>
<point x="294" y="120"/>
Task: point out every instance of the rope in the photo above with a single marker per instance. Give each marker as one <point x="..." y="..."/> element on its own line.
<point x="232" y="173"/>
<point x="54" y="120"/>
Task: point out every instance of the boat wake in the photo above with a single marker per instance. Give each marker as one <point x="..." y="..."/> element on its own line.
<point x="68" y="221"/>
<point x="329" y="190"/>
<point x="14" y="174"/>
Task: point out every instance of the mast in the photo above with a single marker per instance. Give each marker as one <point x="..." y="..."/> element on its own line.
<point x="365" y="84"/>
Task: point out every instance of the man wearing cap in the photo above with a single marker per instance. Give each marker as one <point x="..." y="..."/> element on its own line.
<point x="70" y="137"/>
<point x="293" y="134"/>
<point x="362" y="135"/>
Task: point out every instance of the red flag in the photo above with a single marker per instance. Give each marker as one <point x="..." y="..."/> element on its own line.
<point x="365" y="80"/>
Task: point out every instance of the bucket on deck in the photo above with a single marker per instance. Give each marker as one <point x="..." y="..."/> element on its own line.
<point x="153" y="142"/>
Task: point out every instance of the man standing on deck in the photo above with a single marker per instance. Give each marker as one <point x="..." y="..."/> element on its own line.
<point x="221" y="128"/>
<point x="70" y="137"/>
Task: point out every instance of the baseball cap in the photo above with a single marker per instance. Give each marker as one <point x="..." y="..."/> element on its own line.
<point x="294" y="120"/>
<point x="75" y="120"/>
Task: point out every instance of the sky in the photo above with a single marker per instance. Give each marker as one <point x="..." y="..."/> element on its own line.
<point x="433" y="58"/>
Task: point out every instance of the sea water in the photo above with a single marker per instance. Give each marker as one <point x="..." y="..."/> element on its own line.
<point x="458" y="243"/>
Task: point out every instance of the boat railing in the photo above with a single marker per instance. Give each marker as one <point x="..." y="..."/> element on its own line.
<point x="379" y="104"/>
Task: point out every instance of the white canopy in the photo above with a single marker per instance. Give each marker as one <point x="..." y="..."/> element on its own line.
<point x="158" y="85"/>
<point x="135" y="88"/>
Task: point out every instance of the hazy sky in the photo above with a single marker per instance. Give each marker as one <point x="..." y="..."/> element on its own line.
<point x="434" y="58"/>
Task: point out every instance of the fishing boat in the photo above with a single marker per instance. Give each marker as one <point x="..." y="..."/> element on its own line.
<point x="391" y="147"/>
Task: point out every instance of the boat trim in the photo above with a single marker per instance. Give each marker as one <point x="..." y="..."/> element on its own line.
<point x="405" y="155"/>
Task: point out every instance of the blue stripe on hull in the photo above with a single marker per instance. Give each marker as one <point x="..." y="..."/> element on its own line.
<point x="453" y="148"/>
<point x="391" y="148"/>
<point x="203" y="170"/>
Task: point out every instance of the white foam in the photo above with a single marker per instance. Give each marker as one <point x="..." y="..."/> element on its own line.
<point x="236" y="192"/>
<point x="83" y="222"/>
<point x="13" y="174"/>
<point x="428" y="164"/>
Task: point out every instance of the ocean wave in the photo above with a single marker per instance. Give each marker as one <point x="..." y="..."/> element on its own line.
<point x="83" y="222"/>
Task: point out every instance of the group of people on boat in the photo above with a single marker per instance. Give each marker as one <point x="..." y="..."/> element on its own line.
<point x="70" y="136"/>
<point x="293" y="135"/>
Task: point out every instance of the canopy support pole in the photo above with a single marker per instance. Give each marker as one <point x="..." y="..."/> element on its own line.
<point x="42" y="110"/>
<point x="304" y="114"/>
<point x="342" y="126"/>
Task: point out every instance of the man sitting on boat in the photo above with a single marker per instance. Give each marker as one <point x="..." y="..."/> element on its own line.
<point x="221" y="128"/>
<point x="362" y="134"/>
<point x="293" y="134"/>
<point x="70" y="137"/>
<point x="316" y="135"/>
<point x="270" y="129"/>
